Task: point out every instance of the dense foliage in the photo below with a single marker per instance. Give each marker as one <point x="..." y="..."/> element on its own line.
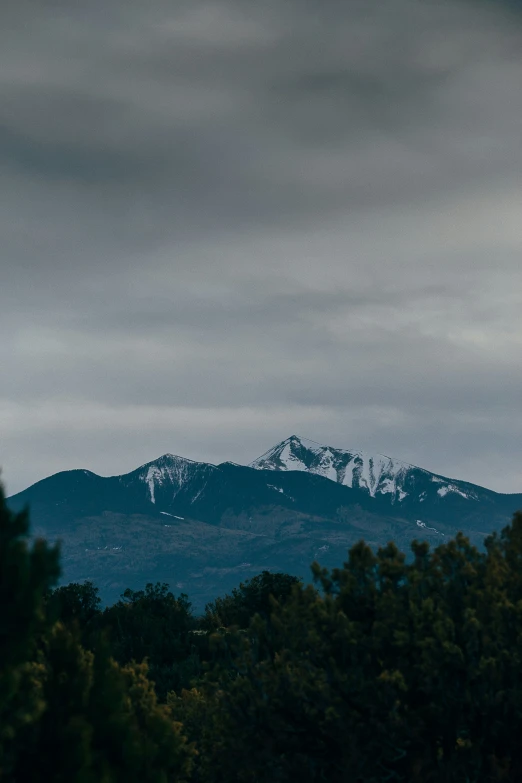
<point x="250" y="598"/>
<point x="68" y="713"/>
<point x="387" y="669"/>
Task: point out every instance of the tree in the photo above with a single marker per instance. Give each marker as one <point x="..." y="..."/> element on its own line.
<point x="397" y="672"/>
<point x="75" y="602"/>
<point x="27" y="572"/>
<point x="102" y="722"/>
<point x="250" y="598"/>
<point x="66" y="713"/>
<point x="153" y="624"/>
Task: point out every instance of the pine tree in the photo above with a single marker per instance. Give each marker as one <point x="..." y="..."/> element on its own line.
<point x="68" y="714"/>
<point x="27" y="572"/>
<point x="101" y="723"/>
<point x="398" y="672"/>
<point x="250" y="598"/>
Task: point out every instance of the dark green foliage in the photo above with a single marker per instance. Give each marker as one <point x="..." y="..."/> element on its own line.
<point x="155" y="625"/>
<point x="391" y="669"/>
<point x="66" y="713"/>
<point x="250" y="598"/>
<point x="74" y="602"/>
<point x="102" y="722"/>
<point x="26" y="574"/>
<point x="399" y="672"/>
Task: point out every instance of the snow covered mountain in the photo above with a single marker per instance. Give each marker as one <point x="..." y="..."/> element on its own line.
<point x="375" y="474"/>
<point x="166" y="477"/>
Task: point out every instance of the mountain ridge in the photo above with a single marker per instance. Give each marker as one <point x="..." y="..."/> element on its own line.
<point x="357" y="468"/>
<point x="258" y="463"/>
<point x="206" y="527"/>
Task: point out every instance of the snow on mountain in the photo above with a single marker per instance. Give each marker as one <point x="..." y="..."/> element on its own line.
<point x="166" y="476"/>
<point x="376" y="474"/>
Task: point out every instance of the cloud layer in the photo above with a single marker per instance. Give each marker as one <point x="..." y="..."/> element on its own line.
<point x="223" y="223"/>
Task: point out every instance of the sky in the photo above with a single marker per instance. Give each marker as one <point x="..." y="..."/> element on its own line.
<point x="226" y="222"/>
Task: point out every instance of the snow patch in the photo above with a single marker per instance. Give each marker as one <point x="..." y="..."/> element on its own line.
<point x="387" y="486"/>
<point x="290" y="460"/>
<point x="420" y="523"/>
<point x="152" y="474"/>
<point x="443" y="491"/>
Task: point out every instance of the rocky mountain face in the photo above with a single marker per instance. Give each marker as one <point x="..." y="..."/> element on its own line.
<point x="203" y="528"/>
<point x="374" y="474"/>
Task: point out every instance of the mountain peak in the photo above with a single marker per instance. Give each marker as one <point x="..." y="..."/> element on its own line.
<point x="168" y="459"/>
<point x="300" y="439"/>
<point x="166" y="475"/>
<point x="376" y="474"/>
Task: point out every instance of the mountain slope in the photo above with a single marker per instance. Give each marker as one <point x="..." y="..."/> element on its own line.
<point x="167" y="480"/>
<point x="375" y="474"/>
<point x="203" y="527"/>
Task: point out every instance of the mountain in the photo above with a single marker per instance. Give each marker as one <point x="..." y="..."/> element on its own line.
<point x="376" y="474"/>
<point x="203" y="528"/>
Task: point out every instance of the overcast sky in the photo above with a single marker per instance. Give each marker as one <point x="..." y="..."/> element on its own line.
<point x="224" y="223"/>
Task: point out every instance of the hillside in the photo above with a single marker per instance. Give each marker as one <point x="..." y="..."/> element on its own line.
<point x="203" y="528"/>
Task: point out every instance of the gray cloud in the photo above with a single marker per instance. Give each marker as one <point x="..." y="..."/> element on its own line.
<point x="222" y="224"/>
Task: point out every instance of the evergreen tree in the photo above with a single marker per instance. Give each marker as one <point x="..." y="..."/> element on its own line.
<point x="74" y="602"/>
<point x="398" y="672"/>
<point x="153" y="624"/>
<point x="102" y="722"/>
<point x="66" y="713"/>
<point x="27" y="572"/>
<point x="250" y="598"/>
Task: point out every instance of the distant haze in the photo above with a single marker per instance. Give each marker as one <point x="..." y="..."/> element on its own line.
<point x="226" y="222"/>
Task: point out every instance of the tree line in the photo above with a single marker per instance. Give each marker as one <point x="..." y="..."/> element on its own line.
<point x="385" y="669"/>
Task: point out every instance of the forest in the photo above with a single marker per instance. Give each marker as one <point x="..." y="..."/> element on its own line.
<point x="388" y="668"/>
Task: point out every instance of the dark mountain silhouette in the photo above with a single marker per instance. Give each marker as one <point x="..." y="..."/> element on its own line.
<point x="203" y="528"/>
